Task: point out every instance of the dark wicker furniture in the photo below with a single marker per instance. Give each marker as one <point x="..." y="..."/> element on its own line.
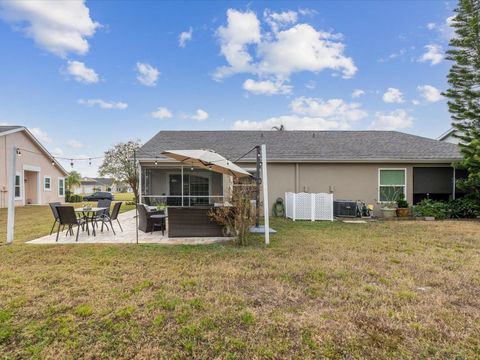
<point x="145" y="221"/>
<point x="192" y="222"/>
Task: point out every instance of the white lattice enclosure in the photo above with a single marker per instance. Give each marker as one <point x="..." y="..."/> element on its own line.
<point x="309" y="206"/>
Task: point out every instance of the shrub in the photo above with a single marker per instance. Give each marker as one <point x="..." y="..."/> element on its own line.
<point x="428" y="207"/>
<point x="465" y="207"/>
<point x="74" y="198"/>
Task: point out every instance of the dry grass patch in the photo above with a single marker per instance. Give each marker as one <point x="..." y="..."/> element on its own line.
<point x="333" y="290"/>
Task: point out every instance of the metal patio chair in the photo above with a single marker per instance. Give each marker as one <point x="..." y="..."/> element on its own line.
<point x="67" y="217"/>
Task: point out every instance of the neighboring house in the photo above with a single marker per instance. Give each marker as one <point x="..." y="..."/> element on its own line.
<point x="353" y="165"/>
<point x="91" y="185"/>
<point x="39" y="178"/>
<point x="449" y="136"/>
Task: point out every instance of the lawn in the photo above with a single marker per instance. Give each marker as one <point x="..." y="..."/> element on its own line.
<point x="321" y="290"/>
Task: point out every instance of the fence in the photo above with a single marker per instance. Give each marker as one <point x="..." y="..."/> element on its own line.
<point x="309" y="206"/>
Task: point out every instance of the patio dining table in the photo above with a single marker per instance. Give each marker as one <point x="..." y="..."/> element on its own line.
<point x="89" y="214"/>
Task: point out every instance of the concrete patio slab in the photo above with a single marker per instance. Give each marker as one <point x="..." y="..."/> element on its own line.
<point x="127" y="220"/>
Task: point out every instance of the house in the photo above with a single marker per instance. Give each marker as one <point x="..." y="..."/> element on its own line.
<point x="39" y="178"/>
<point x="91" y="185"/>
<point x="449" y="136"/>
<point x="353" y="165"/>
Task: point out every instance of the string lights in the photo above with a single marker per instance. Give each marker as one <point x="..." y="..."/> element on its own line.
<point x="56" y="158"/>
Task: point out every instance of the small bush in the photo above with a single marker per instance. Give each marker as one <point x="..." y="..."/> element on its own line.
<point x="465" y="207"/>
<point x="428" y="207"/>
<point x="74" y="198"/>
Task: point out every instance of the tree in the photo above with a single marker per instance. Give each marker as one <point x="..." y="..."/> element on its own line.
<point x="118" y="164"/>
<point x="464" y="92"/>
<point x="74" y="179"/>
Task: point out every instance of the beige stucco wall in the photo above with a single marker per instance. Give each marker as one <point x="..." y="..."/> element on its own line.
<point x="347" y="181"/>
<point x="28" y="161"/>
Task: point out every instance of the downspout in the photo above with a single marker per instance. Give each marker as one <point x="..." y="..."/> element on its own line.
<point x="297" y="177"/>
<point x="454" y="183"/>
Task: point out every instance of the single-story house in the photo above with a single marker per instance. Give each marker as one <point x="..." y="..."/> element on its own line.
<point x="353" y="165"/>
<point x="39" y="178"/>
<point x="91" y="185"/>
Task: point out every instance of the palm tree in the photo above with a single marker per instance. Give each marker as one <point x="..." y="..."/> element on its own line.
<point x="279" y="128"/>
<point x="74" y="178"/>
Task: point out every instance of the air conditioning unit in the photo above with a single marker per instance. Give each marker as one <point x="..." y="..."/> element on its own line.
<point x="346" y="208"/>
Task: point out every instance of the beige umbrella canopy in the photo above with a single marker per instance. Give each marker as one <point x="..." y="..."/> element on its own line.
<point x="207" y="159"/>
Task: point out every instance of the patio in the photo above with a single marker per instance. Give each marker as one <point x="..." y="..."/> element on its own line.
<point x="128" y="236"/>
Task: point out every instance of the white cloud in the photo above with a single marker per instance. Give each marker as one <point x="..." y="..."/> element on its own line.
<point x="433" y="54"/>
<point x="279" y="20"/>
<point x="184" y="37"/>
<point x="81" y="73"/>
<point x="393" y="95"/>
<point x="60" y="27"/>
<point x="394" y="120"/>
<point x="415" y="102"/>
<point x="75" y="144"/>
<point x="291" y="122"/>
<point x="242" y="29"/>
<point x="275" y="56"/>
<point x="147" y="74"/>
<point x="430" y="93"/>
<point x="333" y="109"/>
<point x="103" y="104"/>
<point x="162" y="113"/>
<point x="311" y="114"/>
<point x="266" y="87"/>
<point x="41" y="135"/>
<point x="200" y="115"/>
<point x="357" y="93"/>
<point x="431" y="26"/>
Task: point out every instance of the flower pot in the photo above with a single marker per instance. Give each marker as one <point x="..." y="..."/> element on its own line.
<point x="403" y="212"/>
<point x="389" y="213"/>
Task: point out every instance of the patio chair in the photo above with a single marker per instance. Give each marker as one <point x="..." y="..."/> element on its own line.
<point x="145" y="222"/>
<point x="103" y="216"/>
<point x="106" y="204"/>
<point x="67" y="217"/>
<point x="114" y="216"/>
<point x="53" y="207"/>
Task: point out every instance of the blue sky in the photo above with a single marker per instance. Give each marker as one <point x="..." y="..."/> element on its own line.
<point x="85" y="75"/>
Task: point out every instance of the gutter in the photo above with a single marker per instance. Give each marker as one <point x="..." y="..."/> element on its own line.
<point x="335" y="161"/>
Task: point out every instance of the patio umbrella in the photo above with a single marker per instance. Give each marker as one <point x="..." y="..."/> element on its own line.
<point x="207" y="159"/>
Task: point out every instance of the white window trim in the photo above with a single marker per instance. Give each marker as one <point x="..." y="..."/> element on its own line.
<point x="21" y="186"/>
<point x="378" y="183"/>
<point x="45" y="178"/>
<point x="58" y="190"/>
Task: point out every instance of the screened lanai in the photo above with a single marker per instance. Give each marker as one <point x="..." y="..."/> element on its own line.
<point x="180" y="185"/>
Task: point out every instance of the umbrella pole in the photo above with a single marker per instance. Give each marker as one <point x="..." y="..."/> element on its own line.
<point x="257" y="193"/>
<point x="136" y="195"/>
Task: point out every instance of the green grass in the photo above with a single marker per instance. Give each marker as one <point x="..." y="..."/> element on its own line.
<point x="321" y="290"/>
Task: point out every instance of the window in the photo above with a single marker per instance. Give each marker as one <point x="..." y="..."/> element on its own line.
<point x="196" y="189"/>
<point x="47" y="183"/>
<point x="18" y="187"/>
<point x="391" y="184"/>
<point x="61" y="187"/>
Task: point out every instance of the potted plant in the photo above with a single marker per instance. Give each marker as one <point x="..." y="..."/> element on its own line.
<point x="388" y="205"/>
<point x="403" y="208"/>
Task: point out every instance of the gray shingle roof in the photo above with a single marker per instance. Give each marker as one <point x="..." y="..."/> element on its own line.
<point x="306" y="145"/>
<point x="5" y="128"/>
